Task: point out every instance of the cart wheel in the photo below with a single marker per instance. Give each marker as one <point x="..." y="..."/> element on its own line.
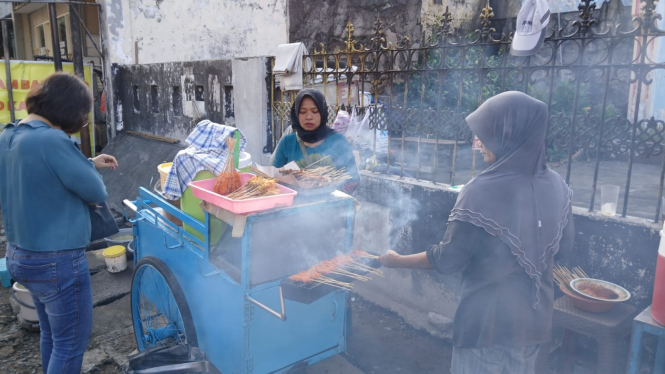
<point x="159" y="308"/>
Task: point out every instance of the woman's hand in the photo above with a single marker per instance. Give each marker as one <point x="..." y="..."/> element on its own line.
<point x="390" y="259"/>
<point x="105" y="162"/>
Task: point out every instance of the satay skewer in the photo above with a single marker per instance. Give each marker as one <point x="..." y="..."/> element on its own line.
<point x="316" y="162"/>
<point x="359" y="266"/>
<point x="351" y="275"/>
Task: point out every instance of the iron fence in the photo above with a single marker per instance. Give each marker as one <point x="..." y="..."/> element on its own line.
<point x="596" y="71"/>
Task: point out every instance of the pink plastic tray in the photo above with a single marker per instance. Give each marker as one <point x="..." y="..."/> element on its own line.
<point x="204" y="191"/>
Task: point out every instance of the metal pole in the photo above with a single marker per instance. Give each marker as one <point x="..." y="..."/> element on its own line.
<point x="57" y="62"/>
<point x="8" y="69"/>
<point x="75" y="24"/>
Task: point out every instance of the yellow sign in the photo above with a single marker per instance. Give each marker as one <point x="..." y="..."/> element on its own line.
<point x="25" y="76"/>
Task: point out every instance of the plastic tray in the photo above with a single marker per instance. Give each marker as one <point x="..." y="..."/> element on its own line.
<point x="204" y="191"/>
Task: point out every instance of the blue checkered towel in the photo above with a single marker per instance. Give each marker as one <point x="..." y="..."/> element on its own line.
<point x="207" y="151"/>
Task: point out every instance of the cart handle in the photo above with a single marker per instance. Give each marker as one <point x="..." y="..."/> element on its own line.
<point x="281" y="316"/>
<point x="130" y="205"/>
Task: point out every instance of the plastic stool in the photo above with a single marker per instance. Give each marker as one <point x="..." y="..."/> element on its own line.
<point x="5" y="278"/>
<point x="644" y="323"/>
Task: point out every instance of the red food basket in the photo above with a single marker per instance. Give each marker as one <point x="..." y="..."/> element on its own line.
<point x="204" y="191"/>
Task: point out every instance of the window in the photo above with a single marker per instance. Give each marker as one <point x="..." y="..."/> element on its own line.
<point x="137" y="103"/>
<point x="40" y="36"/>
<point x="176" y="101"/>
<point x="62" y="35"/>
<point x="154" y="99"/>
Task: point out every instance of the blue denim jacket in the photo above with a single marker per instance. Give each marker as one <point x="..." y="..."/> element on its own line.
<point x="45" y="186"/>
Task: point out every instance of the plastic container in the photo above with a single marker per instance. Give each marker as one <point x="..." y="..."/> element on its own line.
<point x="204" y="191"/>
<point x="116" y="258"/>
<point x="244" y="162"/>
<point x="658" y="304"/>
<point x="21" y="296"/>
<point x="130" y="250"/>
<point x="121" y="238"/>
<point x="164" y="170"/>
<point x="609" y="198"/>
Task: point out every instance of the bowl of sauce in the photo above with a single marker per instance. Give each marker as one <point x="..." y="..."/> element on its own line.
<point x="600" y="290"/>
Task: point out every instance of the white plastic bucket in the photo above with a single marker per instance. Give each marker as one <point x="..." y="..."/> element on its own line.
<point x="25" y="306"/>
<point x="244" y="160"/>
<point x="115" y="258"/>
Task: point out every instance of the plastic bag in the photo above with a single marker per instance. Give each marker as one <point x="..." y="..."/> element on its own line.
<point x="362" y="133"/>
<point x="342" y="121"/>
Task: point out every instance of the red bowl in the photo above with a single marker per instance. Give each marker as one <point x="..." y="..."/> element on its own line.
<point x="586" y="304"/>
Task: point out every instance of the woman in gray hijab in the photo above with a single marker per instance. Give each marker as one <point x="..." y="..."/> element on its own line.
<point x="503" y="234"/>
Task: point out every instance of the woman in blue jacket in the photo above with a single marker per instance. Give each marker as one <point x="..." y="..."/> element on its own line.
<point x="46" y="185"/>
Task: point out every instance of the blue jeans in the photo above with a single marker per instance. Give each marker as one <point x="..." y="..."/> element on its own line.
<point x="497" y="359"/>
<point x="62" y="292"/>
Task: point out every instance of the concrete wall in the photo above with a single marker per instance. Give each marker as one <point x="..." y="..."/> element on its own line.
<point x="409" y="215"/>
<point x="149" y="31"/>
<point x="464" y="13"/>
<point x="250" y="102"/>
<point x="324" y="21"/>
<point x="169" y="99"/>
<point x="231" y="92"/>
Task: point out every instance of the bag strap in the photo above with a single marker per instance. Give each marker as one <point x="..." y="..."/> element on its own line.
<point x="304" y="151"/>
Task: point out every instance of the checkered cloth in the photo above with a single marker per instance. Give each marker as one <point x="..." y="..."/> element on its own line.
<point x="207" y="151"/>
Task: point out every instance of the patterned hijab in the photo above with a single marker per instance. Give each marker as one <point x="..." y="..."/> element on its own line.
<point x="518" y="198"/>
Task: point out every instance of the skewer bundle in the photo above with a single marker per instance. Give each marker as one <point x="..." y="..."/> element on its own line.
<point x="343" y="265"/>
<point x="563" y="276"/>
<point x="256" y="187"/>
<point x="320" y="175"/>
<point x="229" y="179"/>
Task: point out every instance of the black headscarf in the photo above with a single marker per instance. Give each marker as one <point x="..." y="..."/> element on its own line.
<point x="321" y="132"/>
<point x="518" y="198"/>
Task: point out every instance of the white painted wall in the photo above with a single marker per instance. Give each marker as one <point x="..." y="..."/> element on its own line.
<point x="251" y="104"/>
<point x="191" y="30"/>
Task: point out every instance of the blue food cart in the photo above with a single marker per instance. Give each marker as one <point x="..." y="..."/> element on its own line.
<point x="231" y="296"/>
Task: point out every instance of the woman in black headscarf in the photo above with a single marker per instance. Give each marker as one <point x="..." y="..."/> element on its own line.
<point x="313" y="140"/>
<point x="503" y="233"/>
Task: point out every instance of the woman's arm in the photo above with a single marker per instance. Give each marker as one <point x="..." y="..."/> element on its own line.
<point x="392" y="259"/>
<point x="460" y="243"/>
<point x="567" y="241"/>
<point x="279" y="157"/>
<point x="75" y="172"/>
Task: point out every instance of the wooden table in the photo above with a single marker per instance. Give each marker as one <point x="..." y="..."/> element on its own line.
<point x="607" y="328"/>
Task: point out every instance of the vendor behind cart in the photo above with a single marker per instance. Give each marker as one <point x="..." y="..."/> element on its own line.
<point x="314" y="142"/>
<point x="503" y="233"/>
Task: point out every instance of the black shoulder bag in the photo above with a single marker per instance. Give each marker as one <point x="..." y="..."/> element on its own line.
<point x="102" y="223"/>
